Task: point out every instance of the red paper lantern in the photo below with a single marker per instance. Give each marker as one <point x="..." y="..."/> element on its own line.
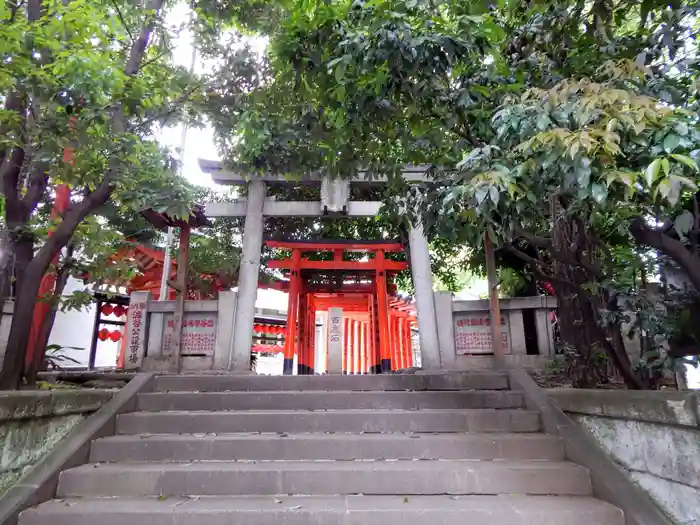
<point x="115" y="336"/>
<point x="119" y="310"/>
<point x="103" y="334"/>
<point x="107" y="309"/>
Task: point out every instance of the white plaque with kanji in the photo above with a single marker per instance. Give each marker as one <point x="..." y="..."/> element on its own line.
<point x="198" y="334"/>
<point x="335" y="341"/>
<point x="473" y="333"/>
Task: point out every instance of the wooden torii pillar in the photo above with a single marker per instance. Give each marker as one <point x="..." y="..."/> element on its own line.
<point x="162" y="221"/>
<point x="494" y="305"/>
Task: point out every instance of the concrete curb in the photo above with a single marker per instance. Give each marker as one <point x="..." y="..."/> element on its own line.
<point x="609" y="481"/>
<point x="40" y="483"/>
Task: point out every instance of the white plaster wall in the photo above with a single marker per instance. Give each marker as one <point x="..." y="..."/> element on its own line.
<point x="74" y="328"/>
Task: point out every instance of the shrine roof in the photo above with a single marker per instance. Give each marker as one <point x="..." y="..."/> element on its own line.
<point x="196" y="219"/>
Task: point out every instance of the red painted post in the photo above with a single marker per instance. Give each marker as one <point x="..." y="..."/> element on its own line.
<point x="363" y="348"/>
<point x="311" y="356"/>
<point x="346" y="346"/>
<point x="303" y="325"/>
<point x="409" y="344"/>
<point x="353" y="347"/>
<point x="292" y="307"/>
<point x="403" y="350"/>
<point x="395" y="345"/>
<point x="383" y="314"/>
<point x="357" y="349"/>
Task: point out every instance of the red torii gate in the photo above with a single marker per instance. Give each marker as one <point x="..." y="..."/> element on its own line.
<point x="377" y="327"/>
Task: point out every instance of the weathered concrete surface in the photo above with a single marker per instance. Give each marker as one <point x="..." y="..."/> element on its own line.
<point x="654" y="436"/>
<point x="251" y="459"/>
<point x="329" y="510"/>
<point x="33" y="422"/>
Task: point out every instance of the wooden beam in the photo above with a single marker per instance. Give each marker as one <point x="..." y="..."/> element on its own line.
<point x="494" y="306"/>
<point x="336" y="245"/>
<point x="180" y="297"/>
<point x="370" y="265"/>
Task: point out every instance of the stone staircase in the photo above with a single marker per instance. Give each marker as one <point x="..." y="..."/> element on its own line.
<point x="327" y="450"/>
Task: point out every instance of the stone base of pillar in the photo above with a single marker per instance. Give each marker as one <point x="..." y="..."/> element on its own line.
<point x="288" y="367"/>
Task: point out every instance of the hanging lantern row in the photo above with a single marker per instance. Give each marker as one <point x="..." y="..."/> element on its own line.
<point x="109" y="309"/>
<point x="105" y="334"/>
<point x="269" y="329"/>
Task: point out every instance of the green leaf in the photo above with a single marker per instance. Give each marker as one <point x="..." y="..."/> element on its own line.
<point x="685" y="181"/>
<point x="665" y="166"/>
<point x="599" y="192"/>
<point x="652" y="171"/>
<point x="671" y="142"/>
<point x="340" y="72"/>
<point x="492" y="235"/>
<point x="494" y="195"/>
<point x="683" y="223"/>
<point x="684" y="159"/>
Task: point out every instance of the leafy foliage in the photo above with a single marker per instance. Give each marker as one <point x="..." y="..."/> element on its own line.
<point x="566" y="131"/>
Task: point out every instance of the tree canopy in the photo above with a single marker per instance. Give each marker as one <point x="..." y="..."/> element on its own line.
<point x="568" y="132"/>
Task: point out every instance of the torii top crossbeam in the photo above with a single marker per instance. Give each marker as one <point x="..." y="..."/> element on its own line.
<point x="335" y="200"/>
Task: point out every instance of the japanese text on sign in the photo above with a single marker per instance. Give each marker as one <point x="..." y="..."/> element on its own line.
<point x="136" y="319"/>
<point x="473" y="334"/>
<point x="198" y="334"/>
<point x="335" y="340"/>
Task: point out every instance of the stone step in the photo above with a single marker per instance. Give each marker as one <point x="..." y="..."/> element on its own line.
<point x="324" y="478"/>
<point x="437" y="381"/>
<point x="333" y="510"/>
<point x="229" y="447"/>
<point x="289" y="421"/>
<point x="335" y="400"/>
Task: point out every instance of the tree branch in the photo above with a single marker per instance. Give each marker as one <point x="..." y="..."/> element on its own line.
<point x="121" y="18"/>
<point x="675" y="249"/>
<point x="543" y="242"/>
<point x="9" y="175"/>
<point x="536" y="265"/>
<point x="36" y="185"/>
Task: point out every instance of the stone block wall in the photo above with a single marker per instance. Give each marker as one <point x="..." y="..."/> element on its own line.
<point x="464" y="334"/>
<point x="33" y="422"/>
<point x="653" y="436"/>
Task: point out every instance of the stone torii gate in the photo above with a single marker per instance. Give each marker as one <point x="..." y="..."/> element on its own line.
<point x="334" y="201"/>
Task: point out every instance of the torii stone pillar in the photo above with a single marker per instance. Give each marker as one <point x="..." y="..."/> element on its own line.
<point x="425" y="302"/>
<point x="248" y="274"/>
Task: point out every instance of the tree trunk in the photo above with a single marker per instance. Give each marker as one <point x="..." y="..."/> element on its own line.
<point x="13" y="364"/>
<point x="47" y="325"/>
<point x="11" y="374"/>
<point x="588" y="343"/>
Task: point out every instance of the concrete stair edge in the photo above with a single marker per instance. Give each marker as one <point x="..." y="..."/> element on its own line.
<point x="213" y="478"/>
<point x="293" y="421"/>
<point x="334" y="399"/>
<point x="330" y="510"/>
<point x="428" y="381"/>
<point x="220" y="447"/>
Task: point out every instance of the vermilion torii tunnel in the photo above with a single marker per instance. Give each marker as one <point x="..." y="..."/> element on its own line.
<point x="375" y="325"/>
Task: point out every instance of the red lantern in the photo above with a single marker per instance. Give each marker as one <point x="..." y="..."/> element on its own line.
<point x="107" y="309"/>
<point x="115" y="336"/>
<point x="103" y="334"/>
<point x="119" y="310"/>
